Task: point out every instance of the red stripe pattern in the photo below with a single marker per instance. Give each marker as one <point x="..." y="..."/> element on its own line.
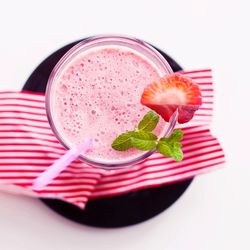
<point x="28" y="147"/>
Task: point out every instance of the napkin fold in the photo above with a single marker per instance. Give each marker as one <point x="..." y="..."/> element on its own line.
<point x="28" y="146"/>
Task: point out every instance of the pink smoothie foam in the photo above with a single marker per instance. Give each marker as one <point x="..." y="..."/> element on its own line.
<point x="97" y="96"/>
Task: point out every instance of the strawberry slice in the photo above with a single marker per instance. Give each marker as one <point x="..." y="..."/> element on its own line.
<point x="172" y="92"/>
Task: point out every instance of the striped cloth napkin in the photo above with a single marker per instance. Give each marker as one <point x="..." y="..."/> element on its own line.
<point x="28" y="146"/>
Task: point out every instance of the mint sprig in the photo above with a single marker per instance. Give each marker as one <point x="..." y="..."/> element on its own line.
<point x="143" y="139"/>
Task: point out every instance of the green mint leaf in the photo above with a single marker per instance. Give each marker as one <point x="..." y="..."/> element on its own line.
<point x="176" y="145"/>
<point x="163" y="148"/>
<point x="176" y="136"/>
<point x="149" y="121"/>
<point x="171" y="146"/>
<point x="172" y="150"/>
<point x="123" y="141"/>
<point x="177" y="155"/>
<point x="143" y="140"/>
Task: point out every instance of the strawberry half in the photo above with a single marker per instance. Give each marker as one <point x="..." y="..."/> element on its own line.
<point x="172" y="92"/>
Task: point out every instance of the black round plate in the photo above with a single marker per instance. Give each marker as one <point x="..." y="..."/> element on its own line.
<point x="118" y="211"/>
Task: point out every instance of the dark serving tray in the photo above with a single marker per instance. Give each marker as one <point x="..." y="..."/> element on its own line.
<point x="118" y="211"/>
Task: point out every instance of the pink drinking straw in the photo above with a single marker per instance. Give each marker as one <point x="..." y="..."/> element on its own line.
<point x="58" y="166"/>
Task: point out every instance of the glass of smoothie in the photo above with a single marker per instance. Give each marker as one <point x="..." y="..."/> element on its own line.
<point x="94" y="93"/>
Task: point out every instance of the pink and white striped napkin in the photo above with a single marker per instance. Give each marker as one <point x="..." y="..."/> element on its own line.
<point x="28" y="147"/>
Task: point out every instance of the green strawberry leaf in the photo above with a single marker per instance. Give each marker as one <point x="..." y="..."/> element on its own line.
<point x="149" y="121"/>
<point x="123" y="141"/>
<point x="143" y="140"/>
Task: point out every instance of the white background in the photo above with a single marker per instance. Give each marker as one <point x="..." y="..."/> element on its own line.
<point x="214" y="213"/>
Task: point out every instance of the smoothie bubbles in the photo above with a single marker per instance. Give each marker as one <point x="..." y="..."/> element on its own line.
<point x="94" y="93"/>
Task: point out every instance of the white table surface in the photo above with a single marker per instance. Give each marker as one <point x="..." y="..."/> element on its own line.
<point x="214" y="212"/>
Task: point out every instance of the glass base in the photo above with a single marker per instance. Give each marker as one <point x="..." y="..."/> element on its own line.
<point x="118" y="211"/>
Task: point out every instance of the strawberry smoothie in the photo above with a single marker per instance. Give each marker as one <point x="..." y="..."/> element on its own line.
<point x="96" y="94"/>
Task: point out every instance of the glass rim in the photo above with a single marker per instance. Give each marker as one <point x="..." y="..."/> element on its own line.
<point x="70" y="54"/>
